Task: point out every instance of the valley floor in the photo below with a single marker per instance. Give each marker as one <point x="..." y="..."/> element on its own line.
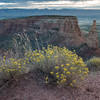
<point x="26" y="88"/>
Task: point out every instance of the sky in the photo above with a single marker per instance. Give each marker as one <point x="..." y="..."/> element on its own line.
<point x="50" y="4"/>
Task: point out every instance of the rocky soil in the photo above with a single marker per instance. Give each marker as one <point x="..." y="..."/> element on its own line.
<point x="27" y="88"/>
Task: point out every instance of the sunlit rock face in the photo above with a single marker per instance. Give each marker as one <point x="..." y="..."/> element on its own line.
<point x="60" y="30"/>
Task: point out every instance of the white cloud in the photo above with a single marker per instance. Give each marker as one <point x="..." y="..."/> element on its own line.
<point x="84" y="4"/>
<point x="6" y="4"/>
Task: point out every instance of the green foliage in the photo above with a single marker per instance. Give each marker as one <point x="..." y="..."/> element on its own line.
<point x="94" y="64"/>
<point x="62" y="65"/>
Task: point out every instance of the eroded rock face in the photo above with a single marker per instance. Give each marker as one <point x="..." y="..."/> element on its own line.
<point x="64" y="28"/>
<point x="92" y="39"/>
<point x="61" y="30"/>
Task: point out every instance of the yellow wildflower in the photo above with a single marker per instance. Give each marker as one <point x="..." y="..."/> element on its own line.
<point x="38" y="54"/>
<point x="71" y="84"/>
<point x="19" y="67"/>
<point x="82" y="78"/>
<point x="57" y="73"/>
<point x="74" y="81"/>
<point x="86" y="69"/>
<point x="62" y="74"/>
<point x="65" y="69"/>
<point x="46" y="79"/>
<point x="64" y="79"/>
<point x="15" y="62"/>
<point x="85" y="72"/>
<point x="68" y="73"/>
<point x="57" y="76"/>
<point x="56" y="67"/>
<point x="51" y="73"/>
<point x="67" y="64"/>
<point x="4" y="57"/>
<point x="62" y="65"/>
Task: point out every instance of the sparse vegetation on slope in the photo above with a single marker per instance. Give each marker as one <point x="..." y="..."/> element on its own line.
<point x="94" y="64"/>
<point x="57" y="65"/>
<point x="62" y="66"/>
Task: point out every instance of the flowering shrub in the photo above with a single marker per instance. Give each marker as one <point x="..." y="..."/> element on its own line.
<point x="60" y="65"/>
<point x="63" y="65"/>
<point x="94" y="64"/>
<point x="11" y="67"/>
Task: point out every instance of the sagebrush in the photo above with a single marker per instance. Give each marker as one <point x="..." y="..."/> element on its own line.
<point x="94" y="64"/>
<point x="64" y="66"/>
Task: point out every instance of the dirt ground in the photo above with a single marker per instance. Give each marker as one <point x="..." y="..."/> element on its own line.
<point x="26" y="88"/>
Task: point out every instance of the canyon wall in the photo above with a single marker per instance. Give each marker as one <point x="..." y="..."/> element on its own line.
<point x="63" y="30"/>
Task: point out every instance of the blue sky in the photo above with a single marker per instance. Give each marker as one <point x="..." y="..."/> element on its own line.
<point x="50" y="4"/>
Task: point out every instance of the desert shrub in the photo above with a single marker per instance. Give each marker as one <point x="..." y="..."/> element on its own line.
<point x="94" y="64"/>
<point x="10" y="67"/>
<point x="62" y="65"/>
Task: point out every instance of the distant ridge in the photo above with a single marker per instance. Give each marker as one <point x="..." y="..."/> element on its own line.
<point x="43" y="17"/>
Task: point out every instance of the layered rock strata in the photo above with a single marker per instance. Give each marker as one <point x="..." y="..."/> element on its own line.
<point x="64" y="30"/>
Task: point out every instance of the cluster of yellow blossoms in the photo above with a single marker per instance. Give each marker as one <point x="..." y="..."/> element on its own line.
<point x="69" y="75"/>
<point x="64" y="65"/>
<point x="12" y="66"/>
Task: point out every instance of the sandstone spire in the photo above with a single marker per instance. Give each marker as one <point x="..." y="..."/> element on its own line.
<point x="92" y="39"/>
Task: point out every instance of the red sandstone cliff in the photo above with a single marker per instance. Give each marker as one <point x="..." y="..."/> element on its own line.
<point x="65" y="29"/>
<point x="92" y="39"/>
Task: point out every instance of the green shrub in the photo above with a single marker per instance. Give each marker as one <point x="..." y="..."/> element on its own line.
<point x="94" y="64"/>
<point x="62" y="65"/>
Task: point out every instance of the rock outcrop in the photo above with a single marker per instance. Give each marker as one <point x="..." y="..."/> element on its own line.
<point x="61" y="30"/>
<point x="65" y="29"/>
<point x="92" y="40"/>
